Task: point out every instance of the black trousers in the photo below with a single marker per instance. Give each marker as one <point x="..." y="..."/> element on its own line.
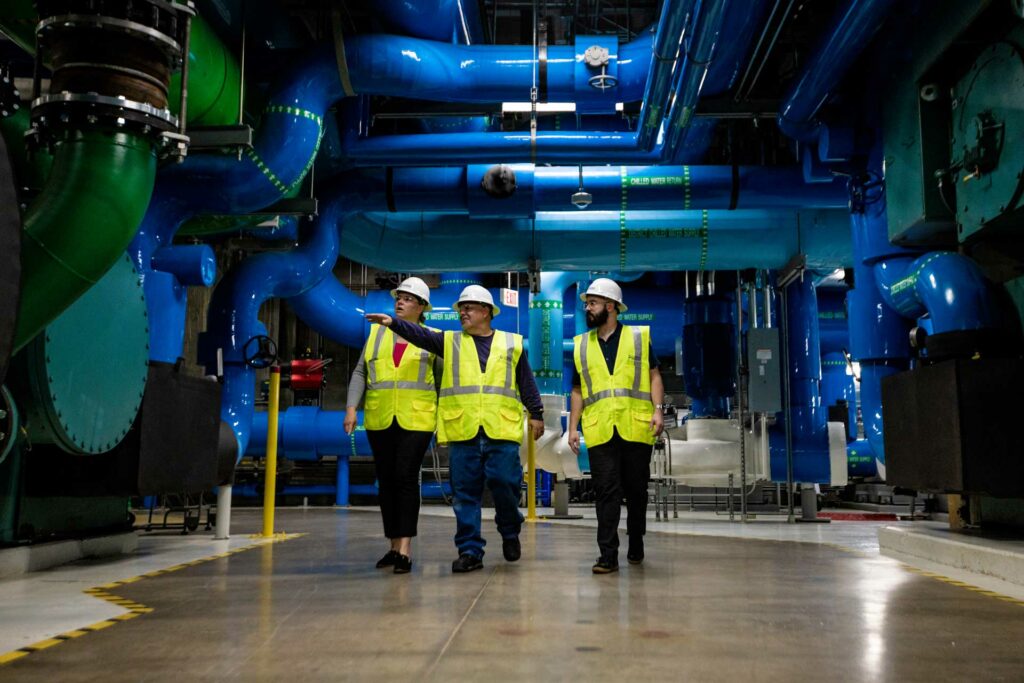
<point x="398" y="457"/>
<point x="619" y="469"/>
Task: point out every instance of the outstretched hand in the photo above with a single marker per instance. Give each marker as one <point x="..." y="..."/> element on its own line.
<point x="380" y="318"/>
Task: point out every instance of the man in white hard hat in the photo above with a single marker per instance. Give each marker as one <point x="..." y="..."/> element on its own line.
<point x="618" y="393"/>
<point x="485" y="384"/>
<point x="397" y="387"/>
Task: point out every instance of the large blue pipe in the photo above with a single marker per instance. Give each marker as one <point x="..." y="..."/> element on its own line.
<point x="709" y="354"/>
<point x="837" y="381"/>
<point x="701" y="47"/>
<point x="389" y="65"/>
<point x="547" y="325"/>
<point x="675" y="14"/>
<point x="455" y="21"/>
<point x="809" y="420"/>
<point x="724" y="240"/>
<point x="851" y="31"/>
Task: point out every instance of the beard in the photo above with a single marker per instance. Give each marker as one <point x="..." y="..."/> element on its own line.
<point x="597" y="320"/>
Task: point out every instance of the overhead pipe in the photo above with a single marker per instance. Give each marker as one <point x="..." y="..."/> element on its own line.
<point x="600" y="241"/>
<point x="850" y="33"/>
<point x="456" y="21"/>
<point x="672" y="118"/>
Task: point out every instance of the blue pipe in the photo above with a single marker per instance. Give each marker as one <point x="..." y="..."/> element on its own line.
<point x="947" y="287"/>
<point x="667" y="42"/>
<point x="308" y="433"/>
<point x="852" y="29"/>
<point x="390" y="65"/>
<point x="709" y="354"/>
<point x="809" y="426"/>
<point x="700" y="53"/>
<point x="547" y="331"/>
<point x="443" y="20"/>
<point x="648" y="240"/>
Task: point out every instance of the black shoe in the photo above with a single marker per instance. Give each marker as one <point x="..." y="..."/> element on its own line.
<point x="467" y="563"/>
<point x="389" y="559"/>
<point x="511" y="549"/>
<point x="605" y="565"/>
<point x="636" y="551"/>
<point x="403" y="564"/>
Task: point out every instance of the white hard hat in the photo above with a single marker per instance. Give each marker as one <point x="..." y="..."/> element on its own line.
<point x="478" y="294"/>
<point x="606" y="288"/>
<point x="416" y="287"/>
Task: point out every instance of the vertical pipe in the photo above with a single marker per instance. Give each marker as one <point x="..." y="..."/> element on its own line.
<point x="342" y="482"/>
<point x="784" y="316"/>
<point x="740" y="373"/>
<point x="531" y="478"/>
<point x="270" y="473"/>
<point x="222" y="528"/>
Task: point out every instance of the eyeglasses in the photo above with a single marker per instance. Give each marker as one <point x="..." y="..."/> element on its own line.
<point x="467" y="307"/>
<point x="407" y="298"/>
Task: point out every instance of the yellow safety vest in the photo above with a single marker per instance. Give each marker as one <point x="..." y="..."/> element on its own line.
<point x="620" y="400"/>
<point x="470" y="399"/>
<point x="406" y="393"/>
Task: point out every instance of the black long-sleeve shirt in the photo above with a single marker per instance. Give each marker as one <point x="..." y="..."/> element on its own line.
<point x="434" y="342"/>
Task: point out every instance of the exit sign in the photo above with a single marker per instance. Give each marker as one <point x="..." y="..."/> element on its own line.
<point x="510" y="297"/>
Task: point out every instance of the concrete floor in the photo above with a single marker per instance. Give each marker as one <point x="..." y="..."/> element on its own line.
<point x="700" y="608"/>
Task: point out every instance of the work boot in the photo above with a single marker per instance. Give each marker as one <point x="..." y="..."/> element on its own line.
<point x="511" y="549"/>
<point x="388" y="560"/>
<point x="605" y="565"/>
<point x="466" y="563"/>
<point x="635" y="555"/>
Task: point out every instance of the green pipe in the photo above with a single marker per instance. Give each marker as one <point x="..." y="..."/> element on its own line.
<point x="18" y="21"/>
<point x="95" y="198"/>
<point x="30" y="168"/>
<point x="214" y="79"/>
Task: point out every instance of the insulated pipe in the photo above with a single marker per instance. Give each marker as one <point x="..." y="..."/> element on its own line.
<point x="667" y="41"/>
<point x="442" y="20"/>
<point x="547" y="330"/>
<point x="390" y="65"/>
<point x="700" y="51"/>
<point x="214" y="79"/>
<point x="808" y="420"/>
<point x="947" y="287"/>
<point x="99" y="185"/>
<point x="599" y="241"/>
<point x="852" y="29"/>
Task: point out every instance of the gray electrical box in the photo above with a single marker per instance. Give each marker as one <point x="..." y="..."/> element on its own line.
<point x="765" y="364"/>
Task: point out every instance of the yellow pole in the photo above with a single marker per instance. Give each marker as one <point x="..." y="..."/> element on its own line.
<point x="270" y="483"/>
<point x="531" y="477"/>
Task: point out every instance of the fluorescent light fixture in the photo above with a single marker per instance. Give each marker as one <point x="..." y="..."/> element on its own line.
<point x="545" y="107"/>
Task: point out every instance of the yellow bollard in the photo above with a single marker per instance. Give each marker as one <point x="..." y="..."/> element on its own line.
<point x="270" y="484"/>
<point x="531" y="477"/>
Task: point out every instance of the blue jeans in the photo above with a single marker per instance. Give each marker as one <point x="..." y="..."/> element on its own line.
<point x="472" y="462"/>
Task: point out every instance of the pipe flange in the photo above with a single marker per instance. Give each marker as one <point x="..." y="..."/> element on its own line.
<point x="73" y="22"/>
<point x="10" y="97"/>
<point x="157" y="21"/>
<point x="72" y="109"/>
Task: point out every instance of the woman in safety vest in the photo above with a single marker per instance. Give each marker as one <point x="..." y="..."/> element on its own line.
<point x="395" y="383"/>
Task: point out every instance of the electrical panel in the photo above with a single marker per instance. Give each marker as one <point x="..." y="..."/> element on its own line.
<point x="764" y="362"/>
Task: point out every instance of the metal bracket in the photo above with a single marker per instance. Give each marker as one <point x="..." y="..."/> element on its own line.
<point x="209" y="138"/>
<point x="297" y="206"/>
<point x="792" y="270"/>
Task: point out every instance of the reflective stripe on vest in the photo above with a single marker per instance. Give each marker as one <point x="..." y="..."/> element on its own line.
<point x="470" y="399"/>
<point x="391" y="392"/>
<point x="614" y="399"/>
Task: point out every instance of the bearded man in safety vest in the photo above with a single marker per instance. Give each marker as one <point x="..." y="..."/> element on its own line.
<point x="485" y="384"/>
<point x="617" y="389"/>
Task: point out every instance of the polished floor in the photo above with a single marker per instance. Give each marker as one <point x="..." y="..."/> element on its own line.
<point x="701" y="608"/>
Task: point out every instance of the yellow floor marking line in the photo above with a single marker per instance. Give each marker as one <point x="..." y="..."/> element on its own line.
<point x="135" y="609"/>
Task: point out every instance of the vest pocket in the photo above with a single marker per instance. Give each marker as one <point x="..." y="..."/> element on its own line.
<point x="424" y="406"/>
<point x="510" y="415"/>
<point x="589" y="420"/>
<point x="371" y="404"/>
<point x="451" y="414"/>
